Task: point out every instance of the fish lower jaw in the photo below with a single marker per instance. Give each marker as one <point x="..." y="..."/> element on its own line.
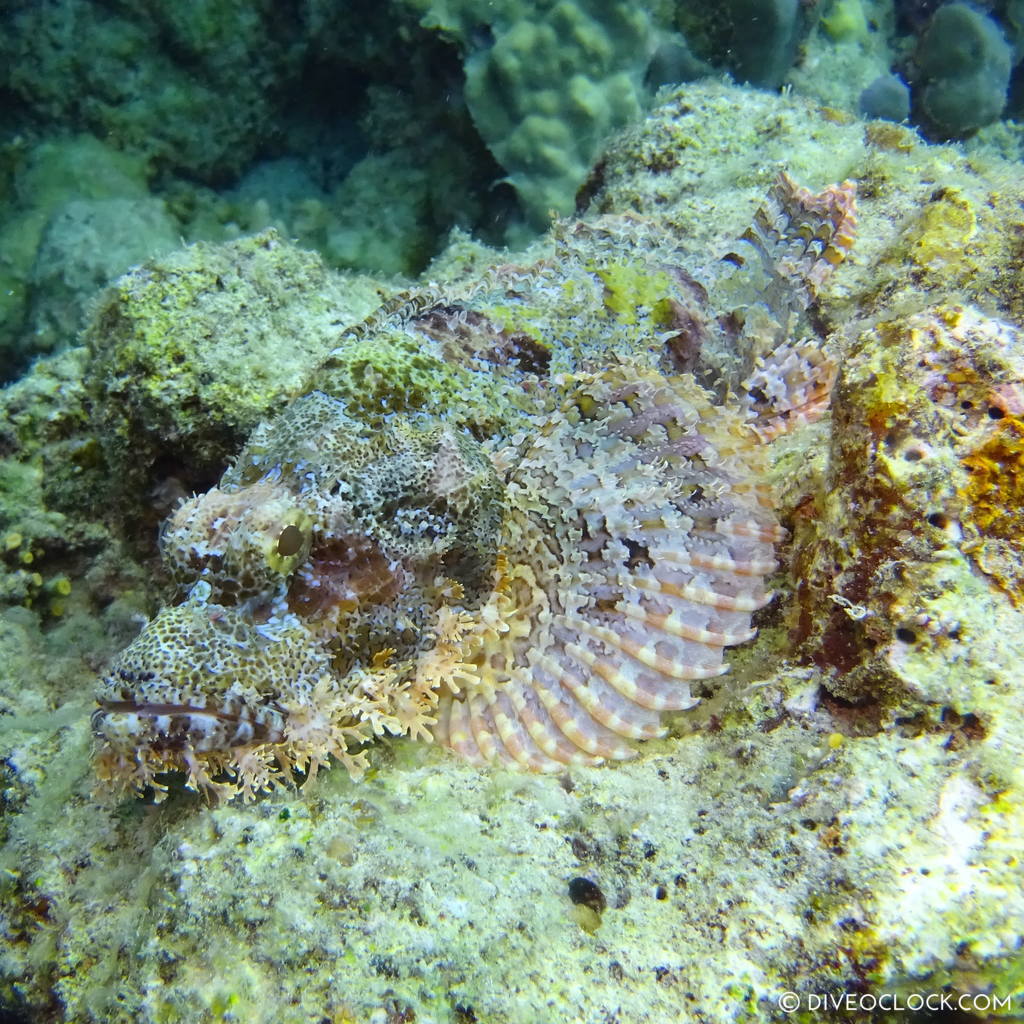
<point x="169" y="726"/>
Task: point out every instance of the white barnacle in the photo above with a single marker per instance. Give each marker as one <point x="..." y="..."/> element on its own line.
<point x="855" y="611"/>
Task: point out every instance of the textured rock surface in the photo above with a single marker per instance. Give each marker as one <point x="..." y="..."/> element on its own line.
<point x="188" y="353"/>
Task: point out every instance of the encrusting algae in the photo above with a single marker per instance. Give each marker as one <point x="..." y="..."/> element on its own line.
<point x="534" y="596"/>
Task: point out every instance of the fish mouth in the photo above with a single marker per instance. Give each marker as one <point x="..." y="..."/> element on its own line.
<point x="173" y="726"/>
<point x="132" y="707"/>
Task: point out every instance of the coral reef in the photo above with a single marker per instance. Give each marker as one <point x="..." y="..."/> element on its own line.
<point x="756" y="42"/>
<point x="369" y="132"/>
<point x="154" y="75"/>
<point x="841" y="816"/>
<point x="334" y="126"/>
<point x="960" y="63"/>
<point x="548" y="85"/>
<point x="963" y="67"/>
<point x="76" y="215"/>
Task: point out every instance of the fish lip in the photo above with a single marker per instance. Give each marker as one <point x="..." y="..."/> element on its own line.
<point x="151" y="710"/>
<point x="261" y="731"/>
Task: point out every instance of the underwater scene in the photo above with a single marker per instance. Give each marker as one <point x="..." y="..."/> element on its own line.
<point x="511" y="511"/>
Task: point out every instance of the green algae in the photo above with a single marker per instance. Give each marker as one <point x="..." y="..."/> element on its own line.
<point x="630" y="290"/>
<point x="177" y="374"/>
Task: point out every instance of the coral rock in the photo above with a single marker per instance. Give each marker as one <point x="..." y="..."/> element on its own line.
<point x="924" y="489"/>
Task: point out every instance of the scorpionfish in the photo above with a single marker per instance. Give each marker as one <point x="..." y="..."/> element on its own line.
<point x="533" y="584"/>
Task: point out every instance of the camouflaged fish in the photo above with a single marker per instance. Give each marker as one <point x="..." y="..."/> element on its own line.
<point x="531" y="577"/>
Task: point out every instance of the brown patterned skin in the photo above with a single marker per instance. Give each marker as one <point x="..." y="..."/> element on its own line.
<point x="537" y="597"/>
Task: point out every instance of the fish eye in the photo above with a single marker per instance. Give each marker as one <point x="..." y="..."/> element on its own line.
<point x="289" y="541"/>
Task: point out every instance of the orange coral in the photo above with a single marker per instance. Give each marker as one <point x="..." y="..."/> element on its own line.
<point x="995" y="489"/>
